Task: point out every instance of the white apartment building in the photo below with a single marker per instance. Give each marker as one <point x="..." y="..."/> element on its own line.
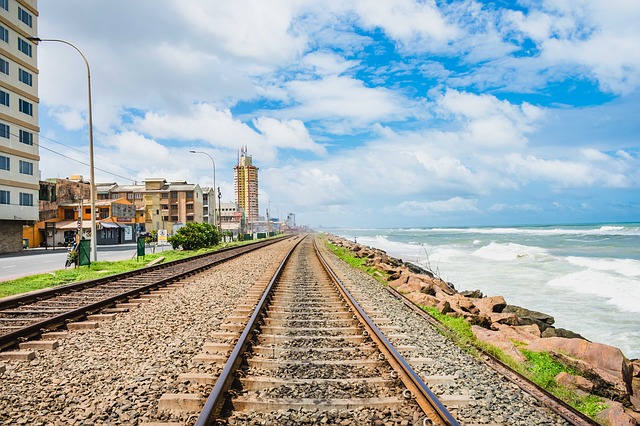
<point x="19" y="149"/>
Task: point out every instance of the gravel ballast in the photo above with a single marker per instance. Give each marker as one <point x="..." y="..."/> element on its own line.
<point x="116" y="373"/>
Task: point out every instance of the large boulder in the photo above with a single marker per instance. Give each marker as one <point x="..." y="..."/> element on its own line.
<point x="520" y="334"/>
<point x="490" y="305"/>
<point x="422" y="299"/>
<point x="606" y="365"/>
<point x="498" y="339"/>
<point x="530" y="317"/>
<point x="615" y="416"/>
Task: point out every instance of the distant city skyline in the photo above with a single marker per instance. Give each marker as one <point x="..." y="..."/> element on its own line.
<point x="359" y="112"/>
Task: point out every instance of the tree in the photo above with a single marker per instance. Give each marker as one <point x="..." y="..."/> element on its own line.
<point x="194" y="236"/>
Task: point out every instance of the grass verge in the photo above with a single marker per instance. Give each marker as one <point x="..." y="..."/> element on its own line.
<point x="540" y="367"/>
<point x="96" y="270"/>
<point x="356" y="262"/>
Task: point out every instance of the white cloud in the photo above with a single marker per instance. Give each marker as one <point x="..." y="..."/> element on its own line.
<point x="415" y="25"/>
<point x="71" y="119"/>
<point x="287" y="134"/>
<point x="452" y="205"/>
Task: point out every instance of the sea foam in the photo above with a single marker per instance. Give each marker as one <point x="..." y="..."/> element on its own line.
<point x="511" y="251"/>
<point x="619" y="291"/>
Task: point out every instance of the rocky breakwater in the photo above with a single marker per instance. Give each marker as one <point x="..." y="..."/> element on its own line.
<point x="604" y="369"/>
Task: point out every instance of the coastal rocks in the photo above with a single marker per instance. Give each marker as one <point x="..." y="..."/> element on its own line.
<point x="507" y="326"/>
<point x="606" y="365"/>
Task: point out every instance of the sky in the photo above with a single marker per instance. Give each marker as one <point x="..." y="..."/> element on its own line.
<point x="358" y="113"/>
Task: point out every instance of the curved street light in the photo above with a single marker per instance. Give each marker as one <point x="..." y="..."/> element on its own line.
<point x="215" y="220"/>
<point x="94" y="235"/>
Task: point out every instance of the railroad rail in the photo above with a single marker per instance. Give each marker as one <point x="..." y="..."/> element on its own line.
<point x="308" y="344"/>
<point x="26" y="316"/>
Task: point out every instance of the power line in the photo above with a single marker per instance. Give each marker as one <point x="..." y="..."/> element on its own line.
<point x="73" y="159"/>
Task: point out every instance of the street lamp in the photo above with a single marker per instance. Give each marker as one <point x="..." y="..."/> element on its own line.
<point x="215" y="221"/>
<point x="94" y="235"/>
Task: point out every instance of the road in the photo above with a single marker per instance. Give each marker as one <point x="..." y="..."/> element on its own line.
<point x="39" y="261"/>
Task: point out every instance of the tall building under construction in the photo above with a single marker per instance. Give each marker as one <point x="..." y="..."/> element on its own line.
<point x="245" y="186"/>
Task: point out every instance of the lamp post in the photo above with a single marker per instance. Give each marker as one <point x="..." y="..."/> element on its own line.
<point x="94" y="235"/>
<point x="215" y="220"/>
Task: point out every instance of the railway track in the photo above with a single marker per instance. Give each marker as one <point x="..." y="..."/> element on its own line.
<point x="29" y="315"/>
<point x="309" y="350"/>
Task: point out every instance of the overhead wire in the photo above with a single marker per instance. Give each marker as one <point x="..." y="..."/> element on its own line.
<point x="74" y="159"/>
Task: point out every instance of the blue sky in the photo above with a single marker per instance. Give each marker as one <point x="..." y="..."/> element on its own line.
<point x="361" y="113"/>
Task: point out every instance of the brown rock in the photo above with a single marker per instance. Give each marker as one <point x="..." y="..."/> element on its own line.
<point x="594" y="359"/>
<point x="574" y="382"/>
<point x="502" y="318"/>
<point x="636" y="367"/>
<point x="422" y="299"/>
<point x="522" y="334"/>
<point x="479" y="320"/>
<point x="498" y="339"/>
<point x="444" y="307"/>
<point x="615" y="416"/>
<point x="489" y="305"/>
<point x="399" y="281"/>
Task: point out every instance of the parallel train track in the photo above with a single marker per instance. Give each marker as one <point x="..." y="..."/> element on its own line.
<point x="25" y="316"/>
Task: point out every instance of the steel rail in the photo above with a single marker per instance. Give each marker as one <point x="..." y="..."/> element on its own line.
<point x="560" y="407"/>
<point x="11" y="339"/>
<point x="215" y="402"/>
<point x="426" y="399"/>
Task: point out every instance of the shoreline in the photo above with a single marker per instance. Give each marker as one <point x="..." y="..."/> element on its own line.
<point x="511" y="328"/>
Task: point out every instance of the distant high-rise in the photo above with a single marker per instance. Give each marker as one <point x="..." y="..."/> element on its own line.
<point x="19" y="152"/>
<point x="245" y="186"/>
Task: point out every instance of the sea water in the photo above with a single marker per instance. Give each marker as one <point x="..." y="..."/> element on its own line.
<point x="586" y="276"/>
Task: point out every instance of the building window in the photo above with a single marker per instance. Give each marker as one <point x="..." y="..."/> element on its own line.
<point x="25" y="16"/>
<point x="174" y="195"/>
<point x="115" y="196"/>
<point x="87" y="211"/>
<point x="26" y="199"/>
<point x="189" y="218"/>
<point x="4" y="163"/>
<point x="130" y="195"/>
<point x="26" y="137"/>
<point x="4" y="131"/>
<point x="4" y="66"/>
<point x="164" y="206"/>
<point x="26" y="107"/>
<point x="164" y="195"/>
<point x="5" y="197"/>
<point x="26" y="168"/>
<point x="24" y="46"/>
<point x="4" y="34"/>
<point x="4" y="4"/>
<point x="4" y="98"/>
<point x="165" y="218"/>
<point x="174" y="218"/>
<point x="189" y="194"/>
<point x="25" y="77"/>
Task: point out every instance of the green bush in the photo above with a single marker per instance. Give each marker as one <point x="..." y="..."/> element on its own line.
<point x="194" y="236"/>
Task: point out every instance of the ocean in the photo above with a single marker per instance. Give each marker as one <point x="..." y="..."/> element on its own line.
<point x="586" y="276"/>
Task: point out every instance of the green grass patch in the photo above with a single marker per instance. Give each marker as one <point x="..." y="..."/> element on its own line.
<point x="357" y="262"/>
<point x="83" y="273"/>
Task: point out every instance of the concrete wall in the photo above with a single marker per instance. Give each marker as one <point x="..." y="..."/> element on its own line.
<point x="10" y="236"/>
